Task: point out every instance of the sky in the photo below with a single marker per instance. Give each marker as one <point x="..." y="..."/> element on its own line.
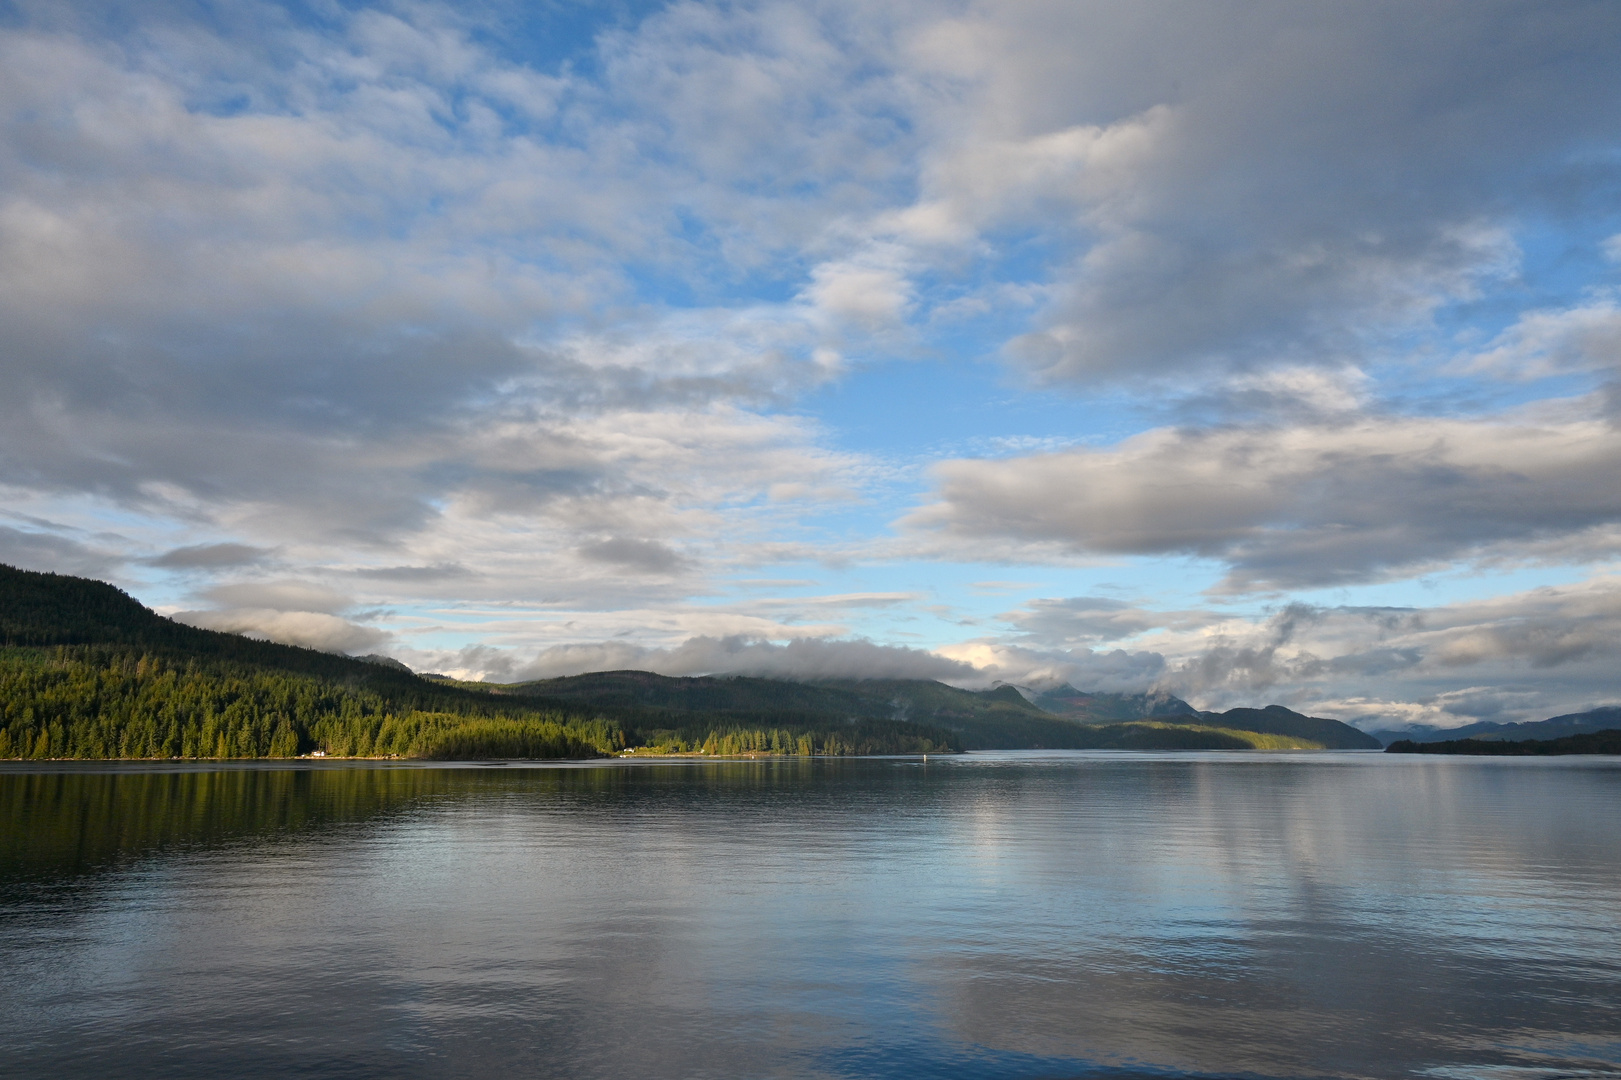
<point x="1256" y="352"/>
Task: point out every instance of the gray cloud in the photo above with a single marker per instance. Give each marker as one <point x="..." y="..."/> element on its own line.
<point x="209" y="556"/>
<point x="645" y="556"/>
<point x="280" y="596"/>
<point x="416" y="574"/>
<point x="1270" y="183"/>
<point x="1112" y="671"/>
<point x="802" y="658"/>
<point x="1096" y="619"/>
<point x="53" y="552"/>
<point x="1524" y="656"/>
<point x="1306" y="506"/>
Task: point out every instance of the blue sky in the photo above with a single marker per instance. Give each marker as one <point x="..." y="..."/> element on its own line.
<point x="1253" y="351"/>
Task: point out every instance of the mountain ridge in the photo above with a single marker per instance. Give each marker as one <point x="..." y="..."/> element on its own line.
<point x="1555" y="727"/>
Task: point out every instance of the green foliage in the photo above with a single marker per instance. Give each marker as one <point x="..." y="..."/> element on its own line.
<point x="119" y="702"/>
<point x="447" y="737"/>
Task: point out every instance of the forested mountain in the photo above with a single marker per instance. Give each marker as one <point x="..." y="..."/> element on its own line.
<point x="1102" y="708"/>
<point x="88" y="672"/>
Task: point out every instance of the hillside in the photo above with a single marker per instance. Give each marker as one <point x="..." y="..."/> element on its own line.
<point x="86" y="671"/>
<point x="1100" y="708"/>
<point x="1607" y="742"/>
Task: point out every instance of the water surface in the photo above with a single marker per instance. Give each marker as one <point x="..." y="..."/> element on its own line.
<point x="985" y="916"/>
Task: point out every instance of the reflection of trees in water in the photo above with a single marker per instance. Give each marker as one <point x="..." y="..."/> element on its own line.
<point x="67" y="822"/>
<point x="64" y="821"/>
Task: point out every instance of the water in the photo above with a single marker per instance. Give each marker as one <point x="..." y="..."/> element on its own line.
<point x="988" y="916"/>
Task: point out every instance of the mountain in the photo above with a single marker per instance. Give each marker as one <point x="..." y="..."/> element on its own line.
<point x="977" y="720"/>
<point x="1607" y="741"/>
<point x="1162" y="707"/>
<point x="1104" y="708"/>
<point x="1277" y="720"/>
<point x="1554" y="727"/>
<point x="997" y="719"/>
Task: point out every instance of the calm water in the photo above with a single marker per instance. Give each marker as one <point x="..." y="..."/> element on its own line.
<point x="996" y="915"/>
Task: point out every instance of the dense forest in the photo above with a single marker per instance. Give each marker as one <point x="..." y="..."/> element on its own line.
<point x="87" y="672"/>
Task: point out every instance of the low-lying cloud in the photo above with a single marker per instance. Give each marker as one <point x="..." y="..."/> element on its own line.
<point x="309" y="629"/>
<point x="800" y="659"/>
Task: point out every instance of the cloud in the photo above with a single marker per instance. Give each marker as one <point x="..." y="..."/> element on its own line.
<point x="1270" y="185"/>
<point x="1098" y="619"/>
<point x="644" y="556"/>
<point x="1524" y="656"/>
<point x="54" y="552"/>
<point x="309" y="629"/>
<point x="1112" y="671"/>
<point x="1308" y="505"/>
<point x="280" y="596"/>
<point x="800" y="659"/>
<point x="1552" y="341"/>
<point x="209" y="556"/>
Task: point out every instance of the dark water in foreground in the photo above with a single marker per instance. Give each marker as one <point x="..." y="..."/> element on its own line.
<point x="1017" y="915"/>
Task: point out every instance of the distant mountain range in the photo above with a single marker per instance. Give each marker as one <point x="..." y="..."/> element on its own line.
<point x="1607" y="742"/>
<point x="1001" y="718"/>
<point x="1557" y="727"/>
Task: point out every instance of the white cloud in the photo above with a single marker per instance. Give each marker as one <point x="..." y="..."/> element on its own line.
<point x="309" y="629"/>
<point x="1551" y="341"/>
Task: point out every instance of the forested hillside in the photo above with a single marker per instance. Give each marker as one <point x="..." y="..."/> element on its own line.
<point x="88" y="672"/>
<point x="1607" y="742"/>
